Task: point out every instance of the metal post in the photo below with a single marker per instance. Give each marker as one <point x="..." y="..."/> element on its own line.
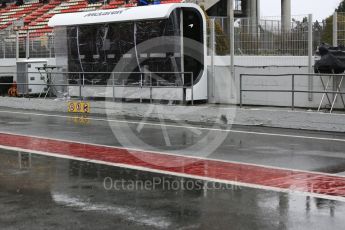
<point x="241" y="90"/>
<point x="286" y="15"/>
<point x="232" y="47"/>
<point x="258" y="13"/>
<point x="27" y="45"/>
<point x="310" y="56"/>
<point x="182" y="51"/>
<point x="50" y="40"/>
<point x="192" y="89"/>
<point x="336" y="94"/>
<point x="113" y="84"/>
<point x="293" y="92"/>
<point x="80" y="86"/>
<point x="335" y="29"/>
<point x="141" y="87"/>
<point x="213" y="50"/>
<point x="184" y="90"/>
<point x="150" y="87"/>
<point x="17" y="45"/>
<point x="253" y="16"/>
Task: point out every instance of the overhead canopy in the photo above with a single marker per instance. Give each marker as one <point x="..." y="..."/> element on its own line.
<point x="138" y="13"/>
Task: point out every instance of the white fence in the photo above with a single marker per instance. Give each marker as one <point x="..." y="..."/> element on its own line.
<point x="267" y="36"/>
<point x="26" y="45"/>
<point x="252" y="37"/>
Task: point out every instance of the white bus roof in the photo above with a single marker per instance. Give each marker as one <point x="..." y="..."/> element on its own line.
<point x="138" y="13"/>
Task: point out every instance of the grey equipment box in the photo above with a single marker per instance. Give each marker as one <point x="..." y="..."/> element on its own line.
<point x="27" y="73"/>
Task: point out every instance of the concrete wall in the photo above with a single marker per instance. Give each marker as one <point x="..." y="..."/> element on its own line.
<point x="225" y="90"/>
<point x="221" y="82"/>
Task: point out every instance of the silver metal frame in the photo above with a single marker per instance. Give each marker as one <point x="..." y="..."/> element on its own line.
<point x="81" y="82"/>
<point x="325" y="92"/>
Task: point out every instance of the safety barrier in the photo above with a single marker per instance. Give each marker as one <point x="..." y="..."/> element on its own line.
<point x="114" y="80"/>
<point x="325" y="85"/>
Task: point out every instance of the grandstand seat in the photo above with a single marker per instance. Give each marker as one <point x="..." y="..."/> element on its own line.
<point x="36" y="15"/>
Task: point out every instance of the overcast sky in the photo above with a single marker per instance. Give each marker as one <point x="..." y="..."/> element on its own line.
<point x="319" y="8"/>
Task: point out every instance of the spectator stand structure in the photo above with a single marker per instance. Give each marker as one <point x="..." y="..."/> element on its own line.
<point x="36" y="14"/>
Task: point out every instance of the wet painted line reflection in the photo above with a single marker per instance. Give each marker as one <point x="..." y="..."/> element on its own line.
<point x="320" y="185"/>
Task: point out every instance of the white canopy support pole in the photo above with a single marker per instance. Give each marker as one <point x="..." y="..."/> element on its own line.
<point x="213" y="52"/>
<point x="182" y="47"/>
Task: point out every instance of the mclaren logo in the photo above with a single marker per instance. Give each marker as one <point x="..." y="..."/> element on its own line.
<point x="114" y="12"/>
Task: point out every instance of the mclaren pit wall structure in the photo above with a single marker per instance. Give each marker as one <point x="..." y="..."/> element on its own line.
<point x="222" y="90"/>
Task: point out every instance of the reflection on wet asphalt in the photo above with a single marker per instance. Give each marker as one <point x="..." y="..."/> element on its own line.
<point x="38" y="192"/>
<point x="292" y="153"/>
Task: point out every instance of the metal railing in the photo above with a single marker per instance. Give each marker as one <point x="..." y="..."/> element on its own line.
<point x="26" y="46"/>
<point x="310" y="91"/>
<point x="339" y="28"/>
<point x="267" y="36"/>
<point x="263" y="36"/>
<point x="146" y="80"/>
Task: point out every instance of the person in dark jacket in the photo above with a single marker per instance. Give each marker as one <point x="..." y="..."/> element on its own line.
<point x="19" y="2"/>
<point x="3" y="4"/>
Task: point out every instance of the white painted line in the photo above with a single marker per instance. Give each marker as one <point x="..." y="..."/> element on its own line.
<point x="185" y="127"/>
<point x="178" y="155"/>
<point x="144" y="169"/>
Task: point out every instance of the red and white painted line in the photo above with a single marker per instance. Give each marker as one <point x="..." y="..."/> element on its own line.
<point x="314" y="184"/>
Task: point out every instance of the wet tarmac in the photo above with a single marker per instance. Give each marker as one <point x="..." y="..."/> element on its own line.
<point x="291" y="151"/>
<point x="39" y="192"/>
<point x="42" y="192"/>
